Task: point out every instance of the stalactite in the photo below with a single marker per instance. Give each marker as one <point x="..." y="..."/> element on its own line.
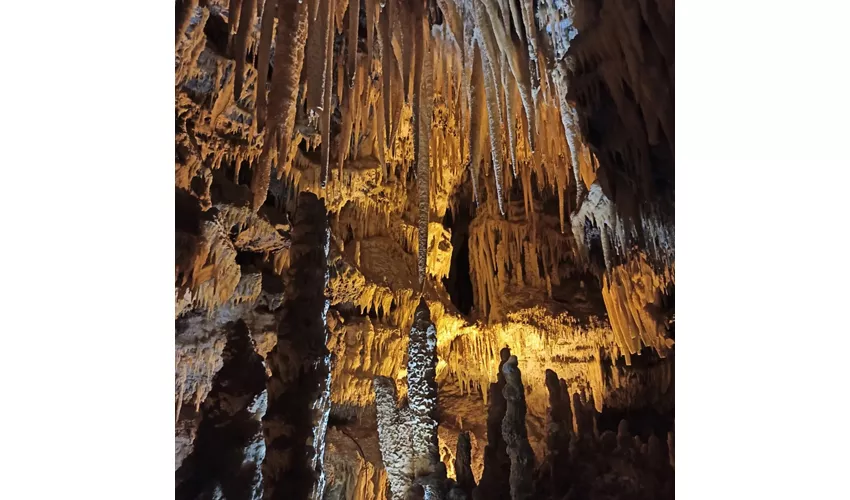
<point x="350" y="106"/>
<point x="510" y="113"/>
<point x="233" y="12"/>
<point x="423" y="106"/>
<point x="519" y="68"/>
<point x="316" y="50"/>
<point x="386" y="71"/>
<point x="351" y="45"/>
<point x="246" y="25"/>
<point x="569" y="123"/>
<point x="453" y="18"/>
<point x="325" y="125"/>
<point x="515" y="434"/>
<point x="185" y="9"/>
<point x="478" y="114"/>
<point x="407" y="34"/>
<point x="371" y="13"/>
<point x="299" y="389"/>
<point x="490" y="69"/>
<point x="266" y="35"/>
<point x="288" y="60"/>
<point x="530" y="286"/>
<point x="529" y="22"/>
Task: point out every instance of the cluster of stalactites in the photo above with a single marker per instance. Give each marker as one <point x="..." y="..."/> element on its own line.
<point x="507" y="255"/>
<point x="633" y="283"/>
<point x="487" y="63"/>
<point x="208" y="275"/>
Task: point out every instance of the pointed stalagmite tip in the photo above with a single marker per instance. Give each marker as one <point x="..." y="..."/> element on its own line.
<point x="504" y="354"/>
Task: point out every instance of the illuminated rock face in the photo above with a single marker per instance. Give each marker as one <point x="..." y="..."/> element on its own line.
<point x="430" y="193"/>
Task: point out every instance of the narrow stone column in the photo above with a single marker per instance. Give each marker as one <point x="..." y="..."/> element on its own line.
<point x="559" y="422"/>
<point x="463" y="466"/>
<point x="299" y="387"/>
<point x="494" y="480"/>
<point x="422" y="390"/>
<point x="515" y="433"/>
<point x="393" y="438"/>
<point x="559" y="428"/>
<point x="408" y="436"/>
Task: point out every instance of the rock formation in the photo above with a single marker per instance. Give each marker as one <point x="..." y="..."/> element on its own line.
<point x="298" y="389"/>
<point x="436" y="237"/>
<point x="408" y="435"/>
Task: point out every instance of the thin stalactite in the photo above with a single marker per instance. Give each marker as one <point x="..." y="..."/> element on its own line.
<point x="264" y="51"/>
<point x="423" y="106"/>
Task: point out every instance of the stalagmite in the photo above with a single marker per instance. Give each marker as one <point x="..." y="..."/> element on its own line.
<point x="288" y="60"/>
<point x="515" y="434"/>
<point x="671" y="448"/>
<point x="298" y="389"/>
<point x="559" y="427"/>
<point x="560" y="418"/>
<point x="394" y="437"/>
<point x="434" y="263"/>
<point x="422" y="398"/>
<point x="494" y="483"/>
<point x="408" y="435"/>
<point x="463" y="470"/>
